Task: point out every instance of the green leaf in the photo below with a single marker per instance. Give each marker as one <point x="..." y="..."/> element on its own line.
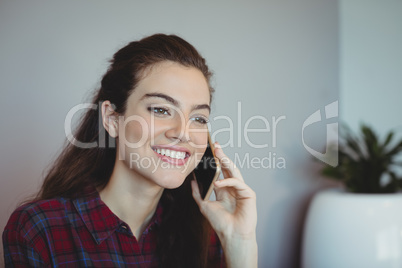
<point x="395" y="150"/>
<point x="388" y="139"/>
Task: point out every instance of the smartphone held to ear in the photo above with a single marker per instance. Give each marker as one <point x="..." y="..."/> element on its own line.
<point x="207" y="171"/>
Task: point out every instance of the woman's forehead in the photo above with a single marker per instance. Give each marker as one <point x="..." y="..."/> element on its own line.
<point x="185" y="84"/>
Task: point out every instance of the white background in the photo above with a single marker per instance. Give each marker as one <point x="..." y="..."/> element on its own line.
<point x="278" y="58"/>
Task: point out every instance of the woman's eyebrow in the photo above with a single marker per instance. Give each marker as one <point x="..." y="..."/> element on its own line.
<point x="163" y="96"/>
<point x="175" y="102"/>
<point x="201" y="106"/>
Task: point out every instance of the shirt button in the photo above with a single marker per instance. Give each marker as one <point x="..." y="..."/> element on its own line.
<point x="123" y="226"/>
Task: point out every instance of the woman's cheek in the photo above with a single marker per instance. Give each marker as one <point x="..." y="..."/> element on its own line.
<point x="137" y="132"/>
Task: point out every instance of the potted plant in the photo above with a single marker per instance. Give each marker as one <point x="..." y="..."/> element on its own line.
<point x="360" y="226"/>
<point x="366" y="165"/>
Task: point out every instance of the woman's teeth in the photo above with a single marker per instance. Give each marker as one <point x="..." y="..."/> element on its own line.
<point x="171" y="153"/>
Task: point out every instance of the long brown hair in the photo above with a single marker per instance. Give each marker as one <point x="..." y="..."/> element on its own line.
<point x="184" y="233"/>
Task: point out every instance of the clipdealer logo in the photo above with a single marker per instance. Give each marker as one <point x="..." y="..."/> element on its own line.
<point x="331" y="149"/>
<point x="272" y="160"/>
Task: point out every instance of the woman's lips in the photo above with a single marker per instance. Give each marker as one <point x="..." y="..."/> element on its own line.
<point x="172" y="154"/>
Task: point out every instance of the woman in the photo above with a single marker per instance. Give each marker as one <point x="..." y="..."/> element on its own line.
<point x="102" y="206"/>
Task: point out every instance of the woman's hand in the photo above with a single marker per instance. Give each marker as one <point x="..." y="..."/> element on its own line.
<point x="233" y="215"/>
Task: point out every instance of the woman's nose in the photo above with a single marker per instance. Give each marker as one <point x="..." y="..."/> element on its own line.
<point x="178" y="130"/>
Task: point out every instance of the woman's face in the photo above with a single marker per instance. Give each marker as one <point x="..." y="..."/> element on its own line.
<point x="165" y="131"/>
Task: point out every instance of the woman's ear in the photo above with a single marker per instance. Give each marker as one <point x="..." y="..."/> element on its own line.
<point x="110" y="119"/>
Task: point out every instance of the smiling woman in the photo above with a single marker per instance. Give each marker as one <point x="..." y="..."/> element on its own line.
<point x="97" y="209"/>
<point x="173" y="102"/>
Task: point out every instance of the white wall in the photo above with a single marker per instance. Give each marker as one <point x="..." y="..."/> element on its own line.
<point x="371" y="63"/>
<point x="278" y="58"/>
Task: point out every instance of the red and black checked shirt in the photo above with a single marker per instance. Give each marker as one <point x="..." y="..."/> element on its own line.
<point x="81" y="232"/>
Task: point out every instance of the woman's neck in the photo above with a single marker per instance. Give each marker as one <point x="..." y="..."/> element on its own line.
<point x="131" y="197"/>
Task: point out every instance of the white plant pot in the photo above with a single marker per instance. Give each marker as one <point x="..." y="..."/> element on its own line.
<point x="347" y="230"/>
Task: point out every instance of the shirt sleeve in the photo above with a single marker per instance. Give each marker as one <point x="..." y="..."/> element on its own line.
<point x="18" y="252"/>
<point x="216" y="258"/>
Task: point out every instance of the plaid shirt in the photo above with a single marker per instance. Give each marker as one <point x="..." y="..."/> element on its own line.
<point x="81" y="232"/>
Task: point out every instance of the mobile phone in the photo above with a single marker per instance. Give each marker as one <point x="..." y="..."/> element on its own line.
<point x="207" y="171"/>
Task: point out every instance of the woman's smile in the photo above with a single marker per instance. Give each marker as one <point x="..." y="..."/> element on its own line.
<point x="175" y="155"/>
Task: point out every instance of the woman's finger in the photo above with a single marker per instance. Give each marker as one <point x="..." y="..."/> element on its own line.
<point x="202" y="204"/>
<point x="196" y="192"/>
<point x="242" y="189"/>
<point x="229" y="169"/>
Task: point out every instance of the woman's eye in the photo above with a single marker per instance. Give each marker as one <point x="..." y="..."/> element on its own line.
<point x="201" y="120"/>
<point x="159" y="110"/>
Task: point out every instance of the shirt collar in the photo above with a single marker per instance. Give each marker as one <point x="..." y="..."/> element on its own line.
<point x="100" y="221"/>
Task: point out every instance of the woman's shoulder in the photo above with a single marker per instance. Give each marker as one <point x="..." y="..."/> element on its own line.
<point x="40" y="213"/>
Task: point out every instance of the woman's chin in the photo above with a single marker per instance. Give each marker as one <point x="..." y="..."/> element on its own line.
<point x="171" y="183"/>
